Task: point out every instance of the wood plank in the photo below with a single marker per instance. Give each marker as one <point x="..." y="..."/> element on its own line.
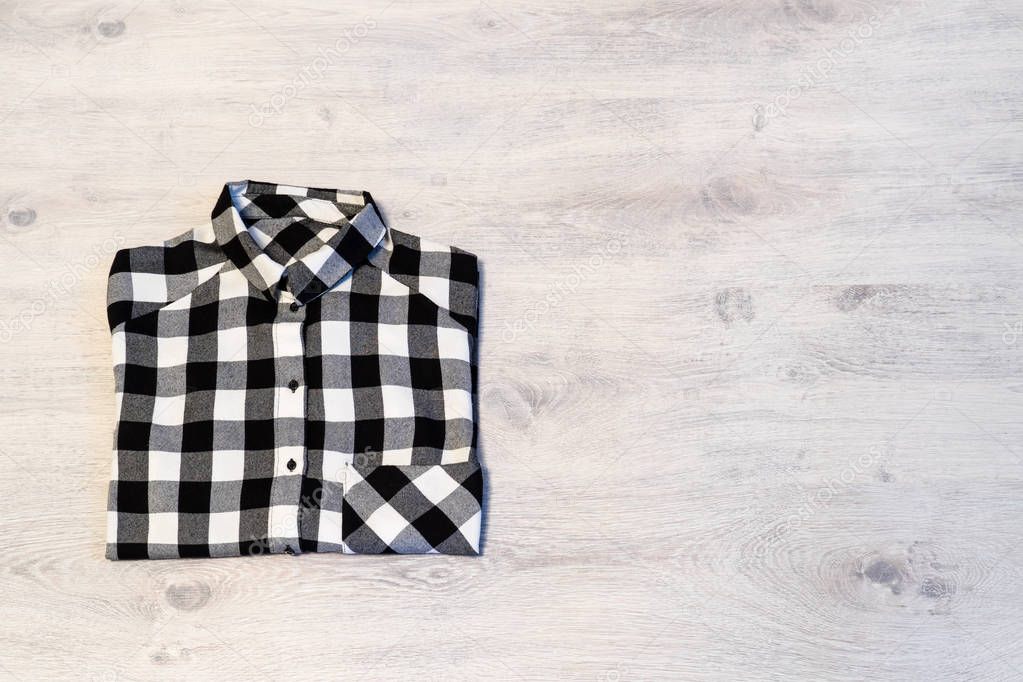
<point x="752" y="323"/>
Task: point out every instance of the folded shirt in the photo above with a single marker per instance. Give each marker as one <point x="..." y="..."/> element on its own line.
<point x="293" y="376"/>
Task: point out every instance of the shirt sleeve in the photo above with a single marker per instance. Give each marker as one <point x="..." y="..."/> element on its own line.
<point x="136" y="285"/>
<point x="447" y="275"/>
<point x="146" y="278"/>
<point x="464" y="289"/>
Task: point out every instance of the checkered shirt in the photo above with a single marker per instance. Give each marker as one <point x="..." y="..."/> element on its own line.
<point x="293" y="377"/>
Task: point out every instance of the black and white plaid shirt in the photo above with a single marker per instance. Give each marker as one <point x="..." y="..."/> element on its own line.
<point x="293" y="377"/>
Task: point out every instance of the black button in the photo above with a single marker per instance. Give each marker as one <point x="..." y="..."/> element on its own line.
<point x="295" y="306"/>
<point x="289" y="550"/>
<point x="292" y="464"/>
<point x="293" y="385"/>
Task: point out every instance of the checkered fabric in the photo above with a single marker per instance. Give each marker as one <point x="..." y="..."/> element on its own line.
<point x="412" y="509"/>
<point x="293" y="377"/>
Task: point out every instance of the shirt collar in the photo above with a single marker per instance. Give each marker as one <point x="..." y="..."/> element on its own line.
<point x="338" y="231"/>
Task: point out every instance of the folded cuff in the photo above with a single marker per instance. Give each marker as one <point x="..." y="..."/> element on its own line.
<point x="412" y="509"/>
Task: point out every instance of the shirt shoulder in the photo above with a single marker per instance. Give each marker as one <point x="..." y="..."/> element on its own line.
<point x="447" y="275"/>
<point x="146" y="278"/>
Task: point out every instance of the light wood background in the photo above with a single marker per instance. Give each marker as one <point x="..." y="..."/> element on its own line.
<point x="752" y="329"/>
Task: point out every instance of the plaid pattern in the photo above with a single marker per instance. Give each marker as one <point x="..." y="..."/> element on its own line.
<point x="293" y="377"/>
<point x="412" y="509"/>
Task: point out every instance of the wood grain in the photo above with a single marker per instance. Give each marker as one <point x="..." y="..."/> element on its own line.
<point x="752" y="325"/>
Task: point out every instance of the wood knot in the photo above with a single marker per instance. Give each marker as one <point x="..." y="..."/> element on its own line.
<point x="884" y="572"/>
<point x="486" y="22"/>
<point x="169" y="655"/>
<point x="110" y="29"/>
<point x="810" y="13"/>
<point x="759" y="117"/>
<point x="936" y="587"/>
<point x="439" y="578"/>
<point x="189" y="596"/>
<point x="21" y="217"/>
<point x="729" y="196"/>
<point x="852" y="297"/>
<point x="734" y="303"/>
<point x="911" y="578"/>
<point x="513" y="401"/>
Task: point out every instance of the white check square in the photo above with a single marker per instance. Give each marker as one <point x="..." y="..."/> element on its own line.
<point x="435" y="484"/>
<point x="334" y="463"/>
<point x="455" y="455"/>
<point x="387" y="523"/>
<point x="339" y="404"/>
<point x="393" y="339"/>
<point x="232" y="344"/>
<point x="470" y="530"/>
<point x="171" y="351"/>
<point x="148" y="287"/>
<point x="457" y="404"/>
<point x="453" y="343"/>
<point x="169" y="410"/>
<point x="163" y="528"/>
<point x="284" y="520"/>
<point x="396" y="456"/>
<point x="112" y="525"/>
<point x="229" y="405"/>
<point x="228" y="465"/>
<point x="398" y="402"/>
<point x="329" y="529"/>
<point x="164" y="466"/>
<point x="225" y="527"/>
<point x="335" y="337"/>
<point x="118" y="347"/>
<point x="288" y="339"/>
<point x="389" y="286"/>
<point x="436" y="289"/>
<point x="322" y="211"/>
<point x="233" y="285"/>
<point x="289" y="403"/>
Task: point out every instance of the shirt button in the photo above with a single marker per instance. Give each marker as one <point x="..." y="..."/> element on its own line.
<point x="292" y="464"/>
<point x="295" y="306"/>
<point x="293" y="385"/>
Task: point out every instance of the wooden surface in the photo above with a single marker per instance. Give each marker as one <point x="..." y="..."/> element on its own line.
<point x="752" y="329"/>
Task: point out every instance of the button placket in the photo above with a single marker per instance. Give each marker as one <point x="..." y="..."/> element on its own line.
<point x="289" y="426"/>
